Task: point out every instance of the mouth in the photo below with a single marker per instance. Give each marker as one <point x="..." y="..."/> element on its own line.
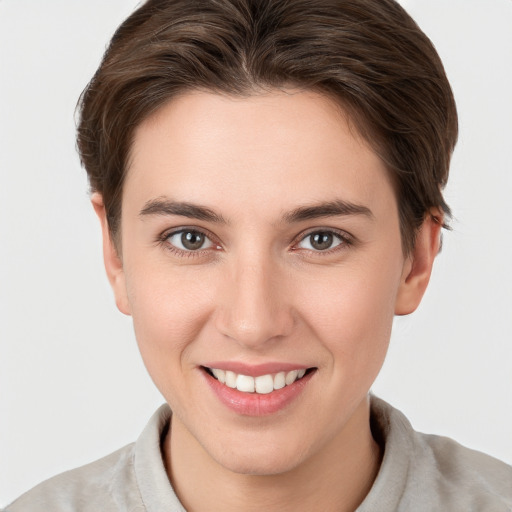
<point x="261" y="384"/>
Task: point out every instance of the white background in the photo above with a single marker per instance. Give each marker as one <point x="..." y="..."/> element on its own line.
<point x="72" y="386"/>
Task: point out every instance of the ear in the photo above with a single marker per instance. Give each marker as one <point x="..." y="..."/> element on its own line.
<point x="418" y="265"/>
<point x="111" y="258"/>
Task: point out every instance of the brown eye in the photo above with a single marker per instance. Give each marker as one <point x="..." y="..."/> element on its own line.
<point x="192" y="240"/>
<point x="189" y="240"/>
<point x="321" y="241"/>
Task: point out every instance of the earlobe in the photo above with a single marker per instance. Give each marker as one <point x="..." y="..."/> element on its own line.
<point x="418" y="265"/>
<point x="111" y="258"/>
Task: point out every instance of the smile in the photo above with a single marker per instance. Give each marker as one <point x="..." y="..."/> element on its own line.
<point x="262" y="384"/>
<point x="268" y="389"/>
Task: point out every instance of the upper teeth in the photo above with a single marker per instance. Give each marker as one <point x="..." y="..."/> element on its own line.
<point x="263" y="384"/>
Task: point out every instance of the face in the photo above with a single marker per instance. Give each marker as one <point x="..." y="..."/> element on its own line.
<point x="260" y="244"/>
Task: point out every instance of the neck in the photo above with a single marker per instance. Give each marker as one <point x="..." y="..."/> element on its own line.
<point x="337" y="478"/>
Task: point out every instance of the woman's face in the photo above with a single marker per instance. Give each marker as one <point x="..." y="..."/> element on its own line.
<point x="260" y="237"/>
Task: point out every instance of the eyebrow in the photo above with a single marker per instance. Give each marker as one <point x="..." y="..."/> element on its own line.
<point x="164" y="206"/>
<point x="334" y="208"/>
<point x="338" y="207"/>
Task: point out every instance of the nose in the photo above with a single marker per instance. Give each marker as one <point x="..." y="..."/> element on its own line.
<point x="255" y="307"/>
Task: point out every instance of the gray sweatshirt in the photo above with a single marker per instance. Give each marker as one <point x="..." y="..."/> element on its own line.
<point x="419" y="473"/>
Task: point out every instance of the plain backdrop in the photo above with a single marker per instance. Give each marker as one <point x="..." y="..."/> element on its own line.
<point x="72" y="385"/>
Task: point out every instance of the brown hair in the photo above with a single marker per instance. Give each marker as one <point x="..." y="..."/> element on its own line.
<point x="368" y="54"/>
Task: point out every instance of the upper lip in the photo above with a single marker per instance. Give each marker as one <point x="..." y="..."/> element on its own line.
<point x="255" y="370"/>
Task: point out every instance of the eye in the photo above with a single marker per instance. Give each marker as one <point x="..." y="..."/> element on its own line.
<point x="322" y="241"/>
<point x="188" y="240"/>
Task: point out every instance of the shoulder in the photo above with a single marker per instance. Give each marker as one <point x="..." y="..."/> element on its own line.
<point x="424" y="472"/>
<point x="132" y="478"/>
<point x="464" y="475"/>
<point x="87" y="488"/>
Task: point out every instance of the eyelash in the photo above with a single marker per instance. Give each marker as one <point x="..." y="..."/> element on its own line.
<point x="345" y="241"/>
<point x="163" y="239"/>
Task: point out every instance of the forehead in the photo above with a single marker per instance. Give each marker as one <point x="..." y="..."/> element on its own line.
<point x="276" y="149"/>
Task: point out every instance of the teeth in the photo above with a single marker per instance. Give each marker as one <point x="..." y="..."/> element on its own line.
<point x="230" y="379"/>
<point x="280" y="380"/>
<point x="291" y="377"/>
<point x="220" y="375"/>
<point x="245" y="383"/>
<point x="263" y="384"/>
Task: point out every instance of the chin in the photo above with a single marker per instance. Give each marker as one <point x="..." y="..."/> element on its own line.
<point x="259" y="466"/>
<point x="259" y="459"/>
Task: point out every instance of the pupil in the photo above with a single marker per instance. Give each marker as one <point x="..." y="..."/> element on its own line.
<point x="191" y="240"/>
<point x="322" y="241"/>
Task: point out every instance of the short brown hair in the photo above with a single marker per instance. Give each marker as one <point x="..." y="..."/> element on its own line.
<point x="368" y="54"/>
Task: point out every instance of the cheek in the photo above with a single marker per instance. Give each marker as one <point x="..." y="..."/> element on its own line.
<point x="351" y="311"/>
<point x="169" y="311"/>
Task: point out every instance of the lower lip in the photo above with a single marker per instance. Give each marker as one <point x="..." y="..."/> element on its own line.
<point x="256" y="404"/>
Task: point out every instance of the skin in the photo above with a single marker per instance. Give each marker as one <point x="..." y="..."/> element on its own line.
<point x="258" y="291"/>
